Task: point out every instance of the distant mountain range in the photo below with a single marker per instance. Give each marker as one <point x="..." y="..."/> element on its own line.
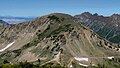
<point x="15" y="20"/>
<point x="3" y="23"/>
<point x="107" y="27"/>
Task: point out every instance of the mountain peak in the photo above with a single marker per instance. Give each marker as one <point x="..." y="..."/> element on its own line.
<point x="102" y="25"/>
<point x="96" y="14"/>
<point x="115" y="16"/>
<point x="53" y="38"/>
<point x="87" y="14"/>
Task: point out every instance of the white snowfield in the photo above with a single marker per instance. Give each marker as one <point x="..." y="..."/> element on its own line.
<point x="81" y="59"/>
<point x="7" y="46"/>
<point x="110" y="57"/>
<point x="83" y="65"/>
<point x="71" y="66"/>
<point x="94" y="65"/>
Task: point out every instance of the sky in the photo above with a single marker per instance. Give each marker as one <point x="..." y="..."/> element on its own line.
<point x="44" y="7"/>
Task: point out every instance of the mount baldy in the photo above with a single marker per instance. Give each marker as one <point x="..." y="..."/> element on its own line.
<point x="57" y="39"/>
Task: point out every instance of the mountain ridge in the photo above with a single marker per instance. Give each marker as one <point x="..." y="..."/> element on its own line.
<point x="55" y="38"/>
<point x="102" y="25"/>
<point x="3" y="23"/>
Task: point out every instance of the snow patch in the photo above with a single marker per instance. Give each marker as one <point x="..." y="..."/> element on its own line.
<point x="110" y="57"/>
<point x="93" y="65"/>
<point x="7" y="46"/>
<point x="81" y="59"/>
<point x="71" y="66"/>
<point x="116" y="25"/>
<point x="83" y="65"/>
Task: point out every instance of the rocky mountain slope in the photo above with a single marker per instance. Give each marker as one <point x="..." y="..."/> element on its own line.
<point x="56" y="38"/>
<point x="107" y="27"/>
<point x="3" y="23"/>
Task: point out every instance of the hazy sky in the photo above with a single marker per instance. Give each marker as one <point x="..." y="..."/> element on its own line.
<point x="43" y="7"/>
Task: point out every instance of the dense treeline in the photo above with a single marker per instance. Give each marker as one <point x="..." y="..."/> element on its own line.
<point x="30" y="65"/>
<point x="26" y="64"/>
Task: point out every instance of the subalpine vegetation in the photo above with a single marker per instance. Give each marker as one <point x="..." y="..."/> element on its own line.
<point x="26" y="64"/>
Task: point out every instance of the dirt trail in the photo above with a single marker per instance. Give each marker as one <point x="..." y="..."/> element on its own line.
<point x="57" y="57"/>
<point x="70" y="62"/>
<point x="88" y="39"/>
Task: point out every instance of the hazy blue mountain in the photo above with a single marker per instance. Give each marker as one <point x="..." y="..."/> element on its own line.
<point x="3" y="23"/>
<point x="15" y="20"/>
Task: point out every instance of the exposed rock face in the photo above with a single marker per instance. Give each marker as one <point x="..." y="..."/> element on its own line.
<point x="54" y="38"/>
<point x="107" y="27"/>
